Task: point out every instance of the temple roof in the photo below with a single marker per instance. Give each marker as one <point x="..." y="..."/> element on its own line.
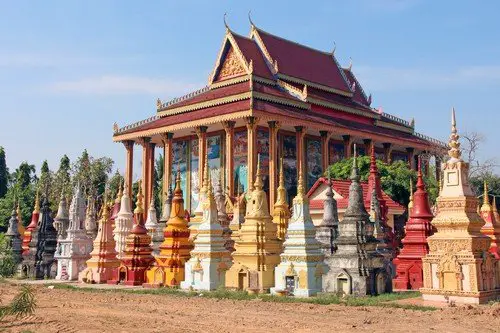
<point x="359" y="94"/>
<point x="341" y="187"/>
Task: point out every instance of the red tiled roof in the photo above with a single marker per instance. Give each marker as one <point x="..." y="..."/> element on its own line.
<point x="251" y="51"/>
<point x="341" y="186"/>
<point x="193" y="115"/>
<point x="358" y="92"/>
<point x="303" y="62"/>
<point x="338" y="99"/>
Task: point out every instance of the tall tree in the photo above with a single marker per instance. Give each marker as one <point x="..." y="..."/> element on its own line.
<point x="4" y="174"/>
<point x="62" y="179"/>
<point x="92" y="173"/>
<point x="45" y="182"/>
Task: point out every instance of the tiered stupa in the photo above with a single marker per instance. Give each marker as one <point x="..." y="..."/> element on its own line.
<point x="492" y="226"/>
<point x="459" y="267"/>
<point x="409" y="274"/>
<point x="220" y="201"/>
<point x="198" y="213"/>
<point x="281" y="211"/>
<point x="137" y="256"/>
<point x="168" y="270"/>
<point x="495" y="210"/>
<point x="239" y="209"/>
<point x="45" y="266"/>
<point x="301" y="268"/>
<point x="327" y="231"/>
<point x="356" y="267"/>
<point x="257" y="248"/>
<point x="123" y="223"/>
<point x="32" y="226"/>
<point x="116" y="206"/>
<point x="103" y="259"/>
<point x="14" y="242"/>
<point x="74" y="250"/>
<point x="90" y="218"/>
<point x="20" y="226"/>
<point x="210" y="259"/>
<point x="167" y="207"/>
<point x="153" y="227"/>
<point x="61" y="221"/>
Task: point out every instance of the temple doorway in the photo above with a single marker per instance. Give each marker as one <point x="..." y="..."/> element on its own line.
<point x="242" y="280"/>
<point x="343" y="284"/>
<point x="290" y="284"/>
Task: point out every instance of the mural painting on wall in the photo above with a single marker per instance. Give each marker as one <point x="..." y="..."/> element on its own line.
<point x="195" y="189"/>
<point x="240" y="161"/>
<point x="263" y="150"/>
<point x="335" y="152"/>
<point x="179" y="162"/>
<point x="290" y="165"/>
<point x="214" y="156"/>
<point x="313" y="158"/>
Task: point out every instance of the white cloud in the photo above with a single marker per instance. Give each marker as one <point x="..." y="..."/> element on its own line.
<point x="393" y="79"/>
<point x="105" y="85"/>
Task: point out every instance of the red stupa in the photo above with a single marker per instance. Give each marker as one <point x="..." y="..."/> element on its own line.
<point x="408" y="263"/>
<point x="137" y="256"/>
<point x="26" y="237"/>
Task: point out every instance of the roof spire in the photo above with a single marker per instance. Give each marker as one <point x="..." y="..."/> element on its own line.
<point x="250" y="19"/>
<point x="334" y="48"/>
<point x="454" y="151"/>
<point x="225" y="23"/>
<point x="350" y="64"/>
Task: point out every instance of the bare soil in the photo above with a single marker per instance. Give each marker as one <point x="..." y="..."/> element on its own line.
<point x="61" y="310"/>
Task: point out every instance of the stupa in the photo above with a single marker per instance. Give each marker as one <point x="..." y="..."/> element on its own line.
<point x="168" y="269"/>
<point x="301" y="268"/>
<point x="210" y="259"/>
<point x="74" y="250"/>
<point x="123" y="223"/>
<point x="356" y="267"/>
<point x="20" y="226"/>
<point x="198" y="213"/>
<point x="153" y="227"/>
<point x="137" y="256"/>
<point x="116" y="205"/>
<point x="220" y="201"/>
<point x="33" y="224"/>
<point x="239" y="209"/>
<point x="257" y="247"/>
<point x="328" y="229"/>
<point x="458" y="267"/>
<point x="90" y="218"/>
<point x="103" y="258"/>
<point x="61" y="221"/>
<point x="14" y="242"/>
<point x="45" y="266"/>
<point x="409" y="274"/>
<point x="281" y="211"/>
<point x="492" y="226"/>
<point x="410" y="203"/>
<point x="167" y="207"/>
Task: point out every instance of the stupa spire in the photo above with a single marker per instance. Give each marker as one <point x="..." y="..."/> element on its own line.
<point x="282" y="196"/>
<point x="258" y="184"/>
<point x="453" y="143"/>
<point x="486" y="207"/>
<point x="410" y="204"/>
<point x="36" y="210"/>
<point x="138" y="204"/>
<point x="281" y="213"/>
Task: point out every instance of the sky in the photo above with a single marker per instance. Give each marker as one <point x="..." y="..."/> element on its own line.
<point x="70" y="69"/>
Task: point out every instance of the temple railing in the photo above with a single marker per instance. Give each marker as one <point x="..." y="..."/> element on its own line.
<point x="137" y="124"/>
<point x="185" y="97"/>
<point x="396" y="119"/>
<point x="428" y="138"/>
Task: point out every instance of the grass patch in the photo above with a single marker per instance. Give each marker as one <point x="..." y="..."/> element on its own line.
<point x="384" y="300"/>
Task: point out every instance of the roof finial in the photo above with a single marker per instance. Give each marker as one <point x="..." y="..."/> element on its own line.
<point x="250" y="19"/>
<point x="334" y="48"/>
<point x="350" y="64"/>
<point x="225" y="22"/>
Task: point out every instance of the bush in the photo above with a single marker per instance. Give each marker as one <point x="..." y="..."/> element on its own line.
<point x="7" y="263"/>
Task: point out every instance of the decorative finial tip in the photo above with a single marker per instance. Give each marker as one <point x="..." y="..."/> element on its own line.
<point x="225" y="22"/>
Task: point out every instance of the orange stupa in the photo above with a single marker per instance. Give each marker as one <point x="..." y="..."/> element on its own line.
<point x="492" y="226"/>
<point x="34" y="221"/>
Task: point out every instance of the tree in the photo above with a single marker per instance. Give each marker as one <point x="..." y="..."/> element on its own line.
<point x="4" y="174"/>
<point x="114" y="185"/>
<point x="394" y="178"/>
<point x="92" y="173"/>
<point x="470" y="151"/>
<point x="62" y="180"/>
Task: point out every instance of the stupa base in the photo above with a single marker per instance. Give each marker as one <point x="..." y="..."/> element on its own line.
<point x="464" y="297"/>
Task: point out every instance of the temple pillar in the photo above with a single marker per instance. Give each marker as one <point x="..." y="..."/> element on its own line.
<point x="347" y="146"/>
<point x="167" y="162"/>
<point x="252" y="149"/>
<point x="387" y="152"/>
<point x="151" y="175"/>
<point x="411" y="158"/>
<point x="438" y="168"/>
<point x="129" y="164"/>
<point x="273" y="161"/>
<point x="300" y="134"/>
<point x="145" y="178"/>
<point x="325" y="138"/>
<point x="229" y="162"/>
<point x="201" y="132"/>
<point x="368" y="143"/>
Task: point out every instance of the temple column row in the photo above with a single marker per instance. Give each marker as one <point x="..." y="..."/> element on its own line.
<point x="129" y="165"/>
<point x="167" y="139"/>
<point x="201" y="132"/>
<point x="229" y="163"/>
<point x="251" y="150"/>
<point x="274" y="127"/>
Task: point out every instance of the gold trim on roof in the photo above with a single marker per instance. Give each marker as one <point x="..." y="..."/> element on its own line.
<point x="342" y="108"/>
<point x="314" y="85"/>
<point x="294" y="91"/>
<point x="400" y="128"/>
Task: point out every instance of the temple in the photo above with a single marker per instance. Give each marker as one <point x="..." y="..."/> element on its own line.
<point x="459" y="267"/>
<point x="275" y="97"/>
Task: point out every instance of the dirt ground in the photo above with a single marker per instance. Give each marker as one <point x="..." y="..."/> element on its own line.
<point x="62" y="310"/>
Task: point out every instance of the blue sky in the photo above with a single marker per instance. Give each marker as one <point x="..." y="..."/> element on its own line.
<point x="70" y="69"/>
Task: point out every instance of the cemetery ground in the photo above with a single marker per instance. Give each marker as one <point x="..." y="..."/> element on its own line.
<point x="69" y="307"/>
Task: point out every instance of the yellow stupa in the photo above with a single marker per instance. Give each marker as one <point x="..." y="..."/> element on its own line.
<point x="20" y="226"/>
<point x="175" y="249"/>
<point x="458" y="266"/>
<point x="257" y="248"/>
<point x="410" y="204"/>
<point x="281" y="212"/>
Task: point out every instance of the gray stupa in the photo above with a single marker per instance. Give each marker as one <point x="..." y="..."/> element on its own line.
<point x="356" y="268"/>
<point x="167" y="207"/>
<point x="14" y="241"/>
<point x="61" y="221"/>
<point x="327" y="230"/>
